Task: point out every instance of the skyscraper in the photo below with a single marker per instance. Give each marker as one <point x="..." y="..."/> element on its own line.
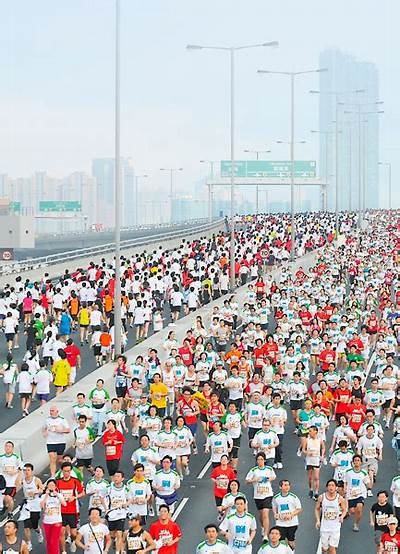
<point x="358" y="135"/>
<point x="103" y="171"/>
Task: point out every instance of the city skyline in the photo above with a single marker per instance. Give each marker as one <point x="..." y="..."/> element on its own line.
<point x="174" y="104"/>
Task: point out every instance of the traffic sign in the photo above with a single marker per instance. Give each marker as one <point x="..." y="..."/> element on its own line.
<point x="15" y="207"/>
<point x="6" y="254"/>
<point x="265" y="168"/>
<point x="60" y="206"/>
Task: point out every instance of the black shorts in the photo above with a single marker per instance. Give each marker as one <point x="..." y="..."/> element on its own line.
<point x="252" y="433"/>
<point x="97" y="349"/>
<point x="116" y="525"/>
<point x="59" y="449"/>
<point x="354" y="501"/>
<point x="288" y="533"/>
<point x="33" y="521"/>
<point x="296" y="404"/>
<point x="25" y="394"/>
<point x="308" y="467"/>
<point x="218" y="500"/>
<point x="203" y="418"/>
<point x="83" y="462"/>
<point x="10" y="491"/>
<point x="387" y="403"/>
<point x="10" y="337"/>
<point x="121" y="392"/>
<point x="70" y="520"/>
<point x="263" y="503"/>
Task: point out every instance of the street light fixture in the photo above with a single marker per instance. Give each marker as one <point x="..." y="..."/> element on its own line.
<point x="117" y="188"/>
<point x="292" y="75"/>
<point x="171" y="171"/>
<point x="232" y="50"/>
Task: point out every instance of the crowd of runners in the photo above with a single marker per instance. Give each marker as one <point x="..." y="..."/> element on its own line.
<point x="306" y="353"/>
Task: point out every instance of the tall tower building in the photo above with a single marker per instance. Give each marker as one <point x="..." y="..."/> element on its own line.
<point x="103" y="171"/>
<point x="358" y="136"/>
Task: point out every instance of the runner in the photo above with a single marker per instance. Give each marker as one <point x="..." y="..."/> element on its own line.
<point x="330" y="511"/>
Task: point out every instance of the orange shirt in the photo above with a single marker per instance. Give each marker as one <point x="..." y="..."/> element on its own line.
<point x="108" y="303"/>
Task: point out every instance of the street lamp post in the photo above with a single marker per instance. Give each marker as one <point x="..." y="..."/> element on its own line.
<point x="336" y="95"/>
<point x="171" y="171"/>
<point x="210" y="191"/>
<point x="117" y="185"/>
<point x="137" y="177"/>
<point x="231" y="50"/>
<point x="361" y="184"/>
<point x="257" y="153"/>
<point x="389" y="166"/>
<point x="327" y="134"/>
<point x="292" y="75"/>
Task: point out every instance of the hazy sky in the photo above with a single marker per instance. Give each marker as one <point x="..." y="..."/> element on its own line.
<point x="57" y="70"/>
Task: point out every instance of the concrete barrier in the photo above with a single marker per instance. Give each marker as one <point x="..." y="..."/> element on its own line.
<point x="27" y="433"/>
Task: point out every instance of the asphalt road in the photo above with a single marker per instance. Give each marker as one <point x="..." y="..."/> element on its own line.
<point x="196" y="498"/>
<point x="58" y="244"/>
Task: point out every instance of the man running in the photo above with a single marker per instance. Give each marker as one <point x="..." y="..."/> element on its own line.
<point x="330" y="510"/>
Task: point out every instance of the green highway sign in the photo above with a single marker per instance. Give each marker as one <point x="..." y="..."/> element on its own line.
<point x="15" y="207"/>
<point x="266" y="168"/>
<point x="60" y="206"/>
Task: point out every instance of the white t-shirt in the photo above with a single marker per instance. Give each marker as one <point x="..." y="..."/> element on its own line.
<point x="54" y="436"/>
<point x="43" y="378"/>
<point x="92" y="532"/>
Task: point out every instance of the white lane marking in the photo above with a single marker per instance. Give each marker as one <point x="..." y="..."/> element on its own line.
<point x="182" y="504"/>
<point x="204" y="470"/>
<point x="369" y="366"/>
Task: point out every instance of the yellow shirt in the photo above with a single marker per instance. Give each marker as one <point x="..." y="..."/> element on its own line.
<point x="61" y="370"/>
<point x="156" y="390"/>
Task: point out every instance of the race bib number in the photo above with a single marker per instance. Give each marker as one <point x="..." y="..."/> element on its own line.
<point x="111" y="450"/>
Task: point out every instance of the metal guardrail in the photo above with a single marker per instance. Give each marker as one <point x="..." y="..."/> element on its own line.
<point x="141" y="227"/>
<point x="44" y="261"/>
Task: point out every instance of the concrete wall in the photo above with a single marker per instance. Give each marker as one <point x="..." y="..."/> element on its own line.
<point x="27" y="435"/>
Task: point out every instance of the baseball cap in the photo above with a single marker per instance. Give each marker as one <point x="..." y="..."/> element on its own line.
<point x="392" y="519"/>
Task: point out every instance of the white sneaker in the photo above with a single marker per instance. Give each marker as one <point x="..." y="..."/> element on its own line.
<point x="279" y="465"/>
<point x="40" y="536"/>
<point x="151" y="511"/>
<point x="275" y="466"/>
<point x="369" y="492"/>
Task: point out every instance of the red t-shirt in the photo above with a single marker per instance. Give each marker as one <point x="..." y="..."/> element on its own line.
<point x="344" y="397"/>
<point x="391" y="544"/>
<point x="327" y="357"/>
<point x="259" y="354"/>
<point x="72" y="352"/>
<point x="356" y="416"/>
<point x="113" y="451"/>
<point x="222" y="478"/>
<point x="186" y="355"/>
<point x="170" y="530"/>
<point x="271" y="350"/>
<point x="69" y="488"/>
